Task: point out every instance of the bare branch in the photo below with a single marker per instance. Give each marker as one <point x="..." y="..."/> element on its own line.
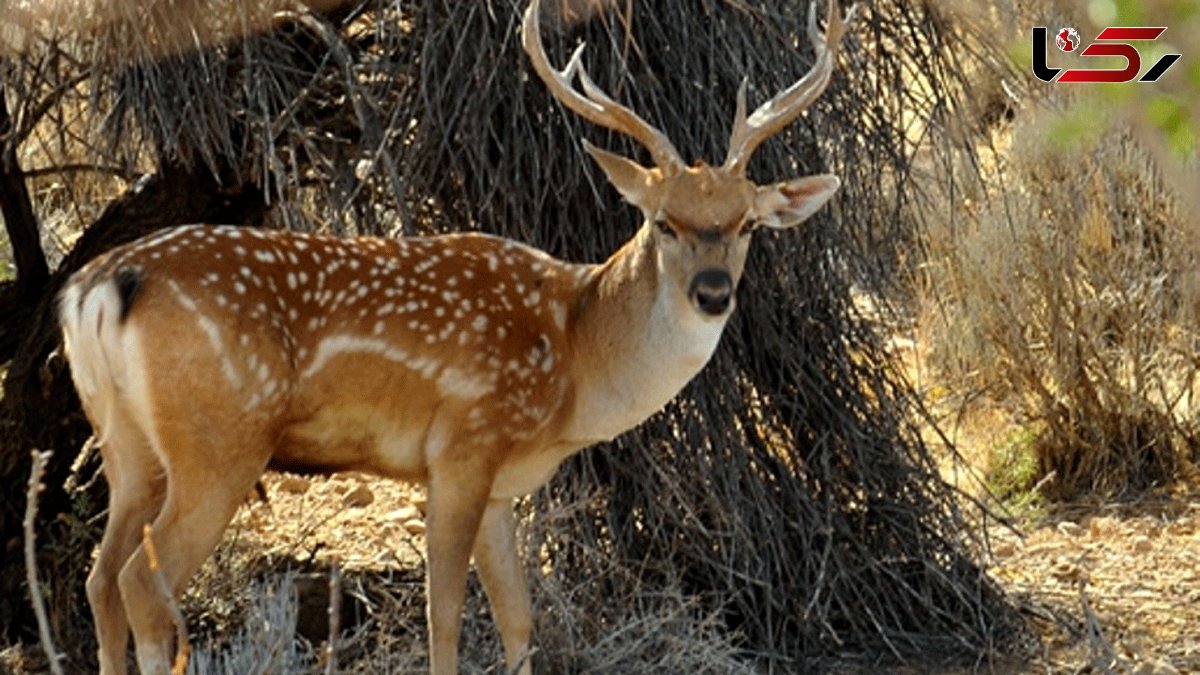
<point x="83" y="167"/>
<point x="335" y="618"/>
<point x="31" y="576"/>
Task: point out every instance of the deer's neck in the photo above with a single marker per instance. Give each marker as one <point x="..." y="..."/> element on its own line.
<point x="637" y="342"/>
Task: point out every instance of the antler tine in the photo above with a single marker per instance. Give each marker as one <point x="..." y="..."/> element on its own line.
<point x="771" y="117"/>
<point x="594" y="105"/>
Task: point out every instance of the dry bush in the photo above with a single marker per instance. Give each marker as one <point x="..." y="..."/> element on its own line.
<point x="647" y="623"/>
<point x="1067" y="288"/>
<point x="266" y="642"/>
<point x="69" y="165"/>
<point x="652" y="630"/>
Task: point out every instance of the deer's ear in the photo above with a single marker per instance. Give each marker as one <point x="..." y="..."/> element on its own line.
<point x="631" y="179"/>
<point x="785" y="205"/>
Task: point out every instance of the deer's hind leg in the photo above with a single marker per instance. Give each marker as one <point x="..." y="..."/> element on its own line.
<point x="136" y="488"/>
<point x="208" y="476"/>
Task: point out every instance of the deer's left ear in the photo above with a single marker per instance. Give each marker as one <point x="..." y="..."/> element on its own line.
<point x="785" y="205"/>
<point x="631" y="179"/>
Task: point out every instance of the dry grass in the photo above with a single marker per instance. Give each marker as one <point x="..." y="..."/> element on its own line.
<point x="266" y="641"/>
<point x="1067" y="289"/>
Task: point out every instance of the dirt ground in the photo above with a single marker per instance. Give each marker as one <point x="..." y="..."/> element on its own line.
<point x="1108" y="588"/>
<point x="1111" y="588"/>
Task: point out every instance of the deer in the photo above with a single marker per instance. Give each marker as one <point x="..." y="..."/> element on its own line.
<point x="205" y="355"/>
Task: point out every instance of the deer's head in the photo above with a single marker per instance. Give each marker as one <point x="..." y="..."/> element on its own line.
<point x="701" y="216"/>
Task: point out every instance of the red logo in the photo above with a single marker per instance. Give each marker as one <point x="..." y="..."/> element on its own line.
<point x="1112" y="41"/>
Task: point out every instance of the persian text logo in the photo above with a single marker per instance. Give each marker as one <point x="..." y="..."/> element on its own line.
<point x="1112" y="41"/>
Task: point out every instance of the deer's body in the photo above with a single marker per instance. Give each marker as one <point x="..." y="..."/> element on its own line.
<point x="429" y="331"/>
<point x="471" y="364"/>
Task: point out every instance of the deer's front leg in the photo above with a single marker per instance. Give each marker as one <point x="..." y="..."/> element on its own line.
<point x="503" y="579"/>
<point x="458" y="494"/>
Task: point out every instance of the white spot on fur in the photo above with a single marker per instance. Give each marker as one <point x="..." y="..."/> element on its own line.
<point x="213" y="332"/>
<point x="458" y="383"/>
<point x="337" y="345"/>
<point x="185" y="300"/>
<point x="559" y="312"/>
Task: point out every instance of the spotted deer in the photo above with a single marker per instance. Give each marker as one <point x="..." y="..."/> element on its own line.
<point x="465" y="362"/>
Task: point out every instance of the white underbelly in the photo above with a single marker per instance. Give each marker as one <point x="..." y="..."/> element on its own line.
<point x="357" y="436"/>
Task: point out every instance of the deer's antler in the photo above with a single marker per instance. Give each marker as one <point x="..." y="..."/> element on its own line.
<point x="771" y="117"/>
<point x="593" y="104"/>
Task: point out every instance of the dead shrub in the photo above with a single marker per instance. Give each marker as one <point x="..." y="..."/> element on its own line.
<point x="1065" y="287"/>
<point x="266" y="641"/>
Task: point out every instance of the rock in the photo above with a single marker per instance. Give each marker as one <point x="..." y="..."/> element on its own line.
<point x="415" y="527"/>
<point x="1004" y="549"/>
<point x="1101" y="526"/>
<point x="1142" y="544"/>
<point x="294" y="485"/>
<point x="1070" y="529"/>
<point x="1067" y="571"/>
<point x="359" y="497"/>
<point x="403" y="514"/>
<point x="1156" y="667"/>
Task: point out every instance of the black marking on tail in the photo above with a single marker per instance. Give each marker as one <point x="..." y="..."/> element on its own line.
<point x="129" y="284"/>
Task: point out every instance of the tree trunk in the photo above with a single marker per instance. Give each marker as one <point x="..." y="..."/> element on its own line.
<point x="17" y="207"/>
<point x="22" y="227"/>
<point x="40" y="410"/>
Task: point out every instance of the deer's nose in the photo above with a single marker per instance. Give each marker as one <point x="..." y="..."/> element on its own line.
<point x="712" y="291"/>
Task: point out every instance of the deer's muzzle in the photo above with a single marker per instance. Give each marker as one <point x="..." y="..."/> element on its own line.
<point x="711" y="291"/>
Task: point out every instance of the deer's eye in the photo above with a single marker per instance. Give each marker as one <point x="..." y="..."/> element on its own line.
<point x="665" y="227"/>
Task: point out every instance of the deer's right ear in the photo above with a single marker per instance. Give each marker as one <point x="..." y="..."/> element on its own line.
<point x="631" y="179"/>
